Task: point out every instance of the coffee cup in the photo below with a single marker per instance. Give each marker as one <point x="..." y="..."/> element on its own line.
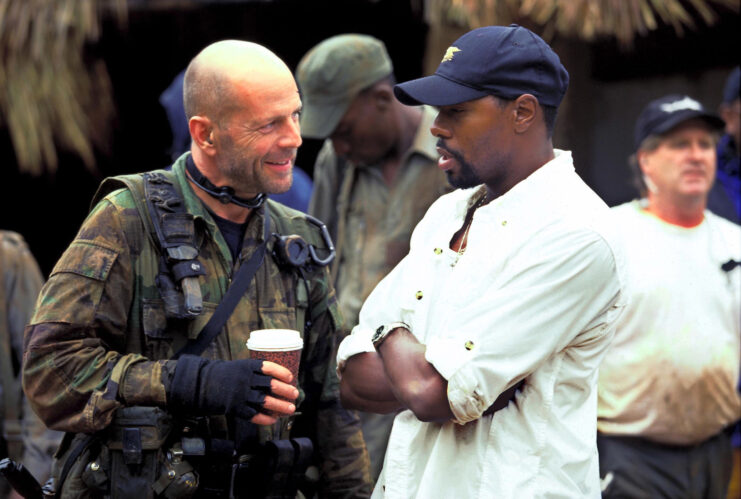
<point x="281" y="346"/>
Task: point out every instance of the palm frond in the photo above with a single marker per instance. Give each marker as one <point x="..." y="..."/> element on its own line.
<point x="50" y="98"/>
<point x="590" y="19"/>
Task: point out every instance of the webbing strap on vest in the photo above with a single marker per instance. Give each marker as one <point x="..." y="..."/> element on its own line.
<point x="175" y="232"/>
<point x="236" y="291"/>
<point x="171" y="229"/>
<point x="161" y="209"/>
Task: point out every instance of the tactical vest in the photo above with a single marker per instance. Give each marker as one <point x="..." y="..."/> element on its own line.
<point x="168" y="267"/>
<point x="168" y="308"/>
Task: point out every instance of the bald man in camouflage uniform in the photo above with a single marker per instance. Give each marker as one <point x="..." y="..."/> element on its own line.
<point x="102" y="337"/>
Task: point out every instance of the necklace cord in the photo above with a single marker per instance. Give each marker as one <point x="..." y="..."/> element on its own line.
<point x="469" y="218"/>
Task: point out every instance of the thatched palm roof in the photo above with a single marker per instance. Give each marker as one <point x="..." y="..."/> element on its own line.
<point x="52" y="98"/>
<point x="583" y="19"/>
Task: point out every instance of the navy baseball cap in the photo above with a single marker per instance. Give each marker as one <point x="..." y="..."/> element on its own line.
<point x="504" y="61"/>
<point x="661" y="115"/>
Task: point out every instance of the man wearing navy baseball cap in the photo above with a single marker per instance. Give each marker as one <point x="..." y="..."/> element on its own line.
<point x="375" y="175"/>
<point x="487" y="337"/>
<point x="667" y="386"/>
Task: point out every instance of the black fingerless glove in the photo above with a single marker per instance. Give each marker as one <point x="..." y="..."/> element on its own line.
<point x="212" y="387"/>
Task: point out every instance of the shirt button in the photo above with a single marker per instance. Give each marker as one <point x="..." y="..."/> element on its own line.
<point x="469" y="345"/>
<point x="418" y="295"/>
<point x="438" y="251"/>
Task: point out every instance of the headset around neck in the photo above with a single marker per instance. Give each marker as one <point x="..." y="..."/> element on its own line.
<point x="224" y="194"/>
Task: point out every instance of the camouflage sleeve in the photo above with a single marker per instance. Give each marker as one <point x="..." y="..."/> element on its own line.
<point x="344" y="461"/>
<point x="73" y="357"/>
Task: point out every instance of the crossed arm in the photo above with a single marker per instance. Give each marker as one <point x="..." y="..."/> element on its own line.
<point x="399" y="377"/>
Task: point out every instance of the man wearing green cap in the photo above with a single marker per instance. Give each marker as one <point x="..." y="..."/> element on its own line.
<point x="375" y="176"/>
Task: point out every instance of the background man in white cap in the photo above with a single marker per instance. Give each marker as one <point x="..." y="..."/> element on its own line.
<point x="375" y="176"/>
<point x="514" y="276"/>
<point x="667" y="388"/>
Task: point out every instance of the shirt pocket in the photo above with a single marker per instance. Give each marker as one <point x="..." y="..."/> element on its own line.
<point x="163" y="336"/>
<point x="277" y="318"/>
<point x="76" y="284"/>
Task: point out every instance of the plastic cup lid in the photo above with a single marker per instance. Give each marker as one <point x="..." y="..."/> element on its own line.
<point x="275" y="340"/>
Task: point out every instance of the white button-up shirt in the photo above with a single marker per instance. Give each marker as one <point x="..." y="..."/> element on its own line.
<point x="534" y="297"/>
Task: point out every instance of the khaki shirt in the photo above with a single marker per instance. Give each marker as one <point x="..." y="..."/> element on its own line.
<point x="371" y="221"/>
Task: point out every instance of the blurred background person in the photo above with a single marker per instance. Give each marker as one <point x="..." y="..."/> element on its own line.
<point x="24" y="437"/>
<point x="728" y="188"/>
<point x="725" y="197"/>
<point x="667" y="389"/>
<point x="374" y="178"/>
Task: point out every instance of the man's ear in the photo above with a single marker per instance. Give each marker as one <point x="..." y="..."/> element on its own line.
<point x="642" y="159"/>
<point x="202" y="132"/>
<point x="646" y="167"/>
<point x="524" y="110"/>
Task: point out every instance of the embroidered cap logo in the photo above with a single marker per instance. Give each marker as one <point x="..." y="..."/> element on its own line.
<point x="680" y="105"/>
<point x="450" y="53"/>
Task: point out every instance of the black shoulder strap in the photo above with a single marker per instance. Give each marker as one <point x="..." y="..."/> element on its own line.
<point x="239" y="286"/>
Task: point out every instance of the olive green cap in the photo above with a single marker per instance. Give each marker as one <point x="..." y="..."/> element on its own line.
<point x="332" y="73"/>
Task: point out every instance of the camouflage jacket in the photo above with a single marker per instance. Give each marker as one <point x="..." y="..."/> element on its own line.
<point x="99" y="338"/>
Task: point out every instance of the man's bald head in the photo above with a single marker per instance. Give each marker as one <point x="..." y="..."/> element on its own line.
<point x="214" y="75"/>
